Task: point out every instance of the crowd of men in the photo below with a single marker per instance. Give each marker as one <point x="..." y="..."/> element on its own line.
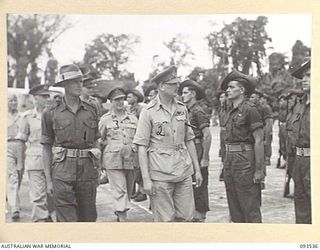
<point x="157" y="151"/>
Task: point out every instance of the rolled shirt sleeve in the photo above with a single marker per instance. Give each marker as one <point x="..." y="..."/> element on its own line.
<point x="189" y="132"/>
<point x="47" y="136"/>
<point x="142" y="136"/>
<point x="24" y="130"/>
<point x="254" y="119"/>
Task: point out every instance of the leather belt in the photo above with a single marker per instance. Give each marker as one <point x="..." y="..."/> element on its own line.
<point x="175" y="147"/>
<point x="223" y="128"/>
<point x="238" y="147"/>
<point x="74" y="153"/>
<point x="197" y="140"/>
<point x="282" y="123"/>
<point x="302" y="151"/>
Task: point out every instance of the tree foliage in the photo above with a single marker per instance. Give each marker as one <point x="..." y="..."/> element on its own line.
<point x="181" y="52"/>
<point x="241" y="44"/>
<point x="109" y="53"/>
<point x="28" y="36"/>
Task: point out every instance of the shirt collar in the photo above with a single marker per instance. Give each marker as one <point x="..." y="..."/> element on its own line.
<point x="65" y="105"/>
<point x="192" y="104"/>
<point x="159" y="104"/>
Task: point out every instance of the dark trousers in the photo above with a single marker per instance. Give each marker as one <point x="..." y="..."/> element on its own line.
<point x="75" y="201"/>
<point x="201" y="196"/>
<point x="242" y="194"/>
<point x="302" y="190"/>
<point x="282" y="140"/>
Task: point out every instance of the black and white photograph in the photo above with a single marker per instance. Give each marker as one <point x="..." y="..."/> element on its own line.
<point x="158" y="118"/>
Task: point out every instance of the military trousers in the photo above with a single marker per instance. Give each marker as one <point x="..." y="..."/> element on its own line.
<point x="201" y="196"/>
<point x="121" y="184"/>
<point x="302" y="190"/>
<point x="38" y="195"/>
<point x="282" y="140"/>
<point x="267" y="146"/>
<point x="243" y="194"/>
<point x="173" y="201"/>
<point x="14" y="179"/>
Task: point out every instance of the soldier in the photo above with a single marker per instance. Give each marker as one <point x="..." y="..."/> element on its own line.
<point x="134" y="97"/>
<point x="191" y="93"/>
<point x="166" y="148"/>
<point x="119" y="157"/>
<point x="268" y="124"/>
<point x="30" y="133"/>
<point x="265" y="111"/>
<point x="282" y="129"/>
<point x="244" y="166"/>
<point x="223" y="110"/>
<point x="71" y="131"/>
<point x="293" y="108"/>
<point x="301" y="170"/>
<point x="150" y="92"/>
<point x="15" y="158"/>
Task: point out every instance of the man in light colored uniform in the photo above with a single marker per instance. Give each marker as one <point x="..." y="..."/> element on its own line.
<point x="167" y="154"/>
<point x="15" y="158"/>
<point x="119" y="157"/>
<point x="30" y="133"/>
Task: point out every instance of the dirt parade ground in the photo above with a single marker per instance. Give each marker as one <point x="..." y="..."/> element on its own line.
<point x="275" y="208"/>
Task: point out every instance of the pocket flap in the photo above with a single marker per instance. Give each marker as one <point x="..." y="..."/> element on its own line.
<point x="61" y="124"/>
<point x="90" y="123"/>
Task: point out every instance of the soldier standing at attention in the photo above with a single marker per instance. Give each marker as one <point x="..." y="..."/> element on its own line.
<point x="167" y="153"/>
<point x="243" y="168"/>
<point x="293" y="107"/>
<point x="282" y="128"/>
<point x="119" y="157"/>
<point x="268" y="125"/>
<point x="301" y="169"/>
<point x="191" y="93"/>
<point x="223" y="110"/>
<point x="15" y="158"/>
<point x="71" y="131"/>
<point x="30" y="133"/>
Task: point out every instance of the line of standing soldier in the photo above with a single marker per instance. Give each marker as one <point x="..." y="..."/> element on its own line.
<point x="172" y="142"/>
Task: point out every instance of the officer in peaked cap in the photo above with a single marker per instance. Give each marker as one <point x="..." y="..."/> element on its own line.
<point x="70" y="150"/>
<point x="244" y="165"/>
<point x="119" y="156"/>
<point x="301" y="169"/>
<point x="30" y="132"/>
<point x="191" y="92"/>
<point x="167" y="168"/>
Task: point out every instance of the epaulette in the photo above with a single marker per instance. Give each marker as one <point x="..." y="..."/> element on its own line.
<point x="105" y="115"/>
<point x="88" y="103"/>
<point x="151" y="104"/>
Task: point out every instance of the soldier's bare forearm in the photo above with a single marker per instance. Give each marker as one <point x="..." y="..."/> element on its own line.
<point x="143" y="162"/>
<point x="47" y="160"/>
<point x="193" y="154"/>
<point x="206" y="144"/>
<point x="259" y="149"/>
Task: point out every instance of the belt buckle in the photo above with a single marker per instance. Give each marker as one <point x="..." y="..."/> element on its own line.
<point x="178" y="147"/>
<point x="302" y="151"/>
<point x="77" y="152"/>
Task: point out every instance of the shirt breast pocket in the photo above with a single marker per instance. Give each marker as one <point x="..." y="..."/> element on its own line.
<point x="62" y="129"/>
<point x="239" y="121"/>
<point x="90" y="127"/>
<point x="131" y="129"/>
<point x="161" y="127"/>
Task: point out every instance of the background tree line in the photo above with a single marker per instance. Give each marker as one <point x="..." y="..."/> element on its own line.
<point x="241" y="44"/>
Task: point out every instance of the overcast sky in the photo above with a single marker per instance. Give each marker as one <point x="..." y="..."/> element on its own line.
<point x="154" y="29"/>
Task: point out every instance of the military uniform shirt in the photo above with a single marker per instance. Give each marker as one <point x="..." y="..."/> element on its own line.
<point x="165" y="134"/>
<point x="198" y="119"/>
<point x="62" y="127"/>
<point x="282" y="115"/>
<point x="118" y="135"/>
<point x="303" y="140"/>
<point x="241" y="122"/>
<point x="30" y="132"/>
<point x="13" y="125"/>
